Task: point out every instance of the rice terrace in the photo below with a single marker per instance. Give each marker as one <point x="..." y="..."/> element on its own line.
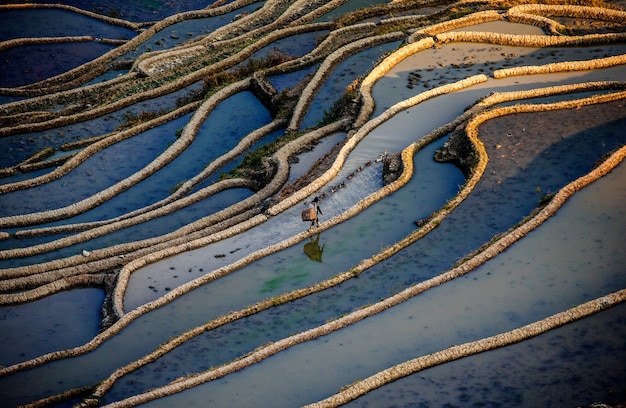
<point x="465" y="161"/>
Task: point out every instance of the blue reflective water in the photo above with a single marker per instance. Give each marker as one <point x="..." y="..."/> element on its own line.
<point x="496" y="204"/>
<point x="33" y="23"/>
<point x="52" y="59"/>
<point x="56" y="322"/>
<point x="21" y="146"/>
<point x="221" y="131"/>
<point x="179" y="33"/>
<point x="341" y="78"/>
<point x="534" y="278"/>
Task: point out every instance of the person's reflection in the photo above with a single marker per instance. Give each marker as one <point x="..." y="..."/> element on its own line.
<point x="313" y="250"/>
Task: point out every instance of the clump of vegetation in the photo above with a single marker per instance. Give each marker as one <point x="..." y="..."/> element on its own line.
<point x="113" y="13"/>
<point x="256" y="164"/>
<point x="460" y="12"/>
<point x="252" y="65"/>
<point x="546" y="199"/>
<point x="249" y="67"/>
<point x="344" y="106"/>
<point x="131" y="119"/>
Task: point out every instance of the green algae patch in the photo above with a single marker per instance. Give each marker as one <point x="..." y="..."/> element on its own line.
<point x="287" y="279"/>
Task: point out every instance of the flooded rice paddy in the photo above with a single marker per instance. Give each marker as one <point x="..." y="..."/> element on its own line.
<point x="574" y="257"/>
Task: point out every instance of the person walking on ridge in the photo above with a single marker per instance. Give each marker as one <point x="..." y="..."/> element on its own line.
<point x="310" y="214"/>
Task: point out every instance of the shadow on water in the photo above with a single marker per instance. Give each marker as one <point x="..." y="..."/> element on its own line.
<point x="508" y="192"/>
<point x="142" y="11"/>
<point x="575" y="365"/>
<point x="33" y="23"/>
<point x="72" y="55"/>
<point x="426" y="258"/>
<point x="47" y="60"/>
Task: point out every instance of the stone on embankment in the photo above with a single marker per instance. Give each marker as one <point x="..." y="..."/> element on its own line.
<point x="392" y="168"/>
<point x="263" y="89"/>
<point x="458" y="150"/>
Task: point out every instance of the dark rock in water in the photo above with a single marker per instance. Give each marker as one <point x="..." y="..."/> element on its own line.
<point x="459" y="151"/>
<point x="392" y="168"/>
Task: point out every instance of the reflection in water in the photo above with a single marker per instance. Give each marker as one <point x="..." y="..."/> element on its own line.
<point x="313" y="250"/>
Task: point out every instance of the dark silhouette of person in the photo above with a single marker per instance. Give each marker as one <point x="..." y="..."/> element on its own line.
<point x="315" y="205"/>
<point x="313" y="250"/>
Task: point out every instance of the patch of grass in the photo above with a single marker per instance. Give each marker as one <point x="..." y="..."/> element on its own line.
<point x="343" y="106"/>
<point x="273" y="284"/>
<point x="177" y="186"/>
<point x="460" y="12"/>
<point x="114" y="13"/>
<point x="131" y="119"/>
<point x="257" y="160"/>
<point x="252" y="65"/>
<point x="546" y="199"/>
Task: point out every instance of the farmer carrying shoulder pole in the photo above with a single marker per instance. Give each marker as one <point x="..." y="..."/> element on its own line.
<point x="310" y="214"/>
